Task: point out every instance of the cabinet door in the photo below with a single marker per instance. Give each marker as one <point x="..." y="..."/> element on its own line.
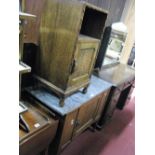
<point x="68" y="128"/>
<point x="86" y="115"/>
<point x="83" y="62"/>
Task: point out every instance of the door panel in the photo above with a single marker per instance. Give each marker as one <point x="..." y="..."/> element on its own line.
<point x="68" y="128"/>
<point x="83" y="62"/>
<point x="86" y="115"/>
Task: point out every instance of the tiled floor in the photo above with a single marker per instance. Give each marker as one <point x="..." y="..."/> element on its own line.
<point x="116" y="138"/>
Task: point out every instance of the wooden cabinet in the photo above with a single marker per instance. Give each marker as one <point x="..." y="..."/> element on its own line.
<point x="74" y="123"/>
<point x="86" y="115"/>
<point x="70" y="33"/>
<point x="122" y="77"/>
<point x="82" y="65"/>
<point x="42" y="132"/>
<point x="79" y="112"/>
<point x="117" y="98"/>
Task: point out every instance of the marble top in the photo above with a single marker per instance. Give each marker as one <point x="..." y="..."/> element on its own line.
<point x="72" y="102"/>
<point x="117" y="74"/>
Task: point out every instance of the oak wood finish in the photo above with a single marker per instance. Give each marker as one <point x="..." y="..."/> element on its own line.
<point x="36" y="6"/>
<point x="70" y="33"/>
<point x="68" y="128"/>
<point x="86" y="115"/>
<point x="33" y="7"/>
<point x="37" y="140"/>
<point x="74" y="123"/>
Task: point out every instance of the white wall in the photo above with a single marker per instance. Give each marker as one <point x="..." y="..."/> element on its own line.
<point x="128" y="17"/>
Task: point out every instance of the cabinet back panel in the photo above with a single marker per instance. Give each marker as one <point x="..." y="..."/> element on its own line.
<point x="93" y="23"/>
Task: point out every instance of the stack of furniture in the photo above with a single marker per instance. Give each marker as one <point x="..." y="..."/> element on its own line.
<point x="68" y="35"/>
<point x="37" y="129"/>
<point x="80" y="111"/>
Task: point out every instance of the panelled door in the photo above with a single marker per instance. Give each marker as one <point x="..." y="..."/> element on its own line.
<point x="83" y="62"/>
<point x="86" y="115"/>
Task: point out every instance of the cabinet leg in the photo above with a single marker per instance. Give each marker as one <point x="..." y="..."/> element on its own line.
<point x="84" y="91"/>
<point x="62" y="102"/>
<point x="46" y="152"/>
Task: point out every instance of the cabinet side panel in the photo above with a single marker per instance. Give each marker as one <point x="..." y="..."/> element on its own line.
<point x="60" y="24"/>
<point x="31" y="29"/>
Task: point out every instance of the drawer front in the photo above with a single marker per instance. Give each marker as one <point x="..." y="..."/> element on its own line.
<point x="83" y="62"/>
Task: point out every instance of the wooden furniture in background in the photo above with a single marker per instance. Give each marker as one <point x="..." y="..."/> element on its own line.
<point x="122" y="78"/>
<point x="42" y="131"/>
<point x="23" y="68"/>
<point x="70" y="33"/>
<point x="115" y="9"/>
<point x="33" y="7"/>
<point x="23" y="18"/>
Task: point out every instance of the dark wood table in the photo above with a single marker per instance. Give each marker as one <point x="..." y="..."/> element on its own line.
<point x="42" y="131"/>
<point x="122" y="77"/>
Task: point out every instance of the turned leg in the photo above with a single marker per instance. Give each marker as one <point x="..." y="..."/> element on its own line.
<point x="84" y="91"/>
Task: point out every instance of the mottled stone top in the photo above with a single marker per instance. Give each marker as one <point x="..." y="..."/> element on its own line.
<point x="117" y="74"/>
<point x="72" y="102"/>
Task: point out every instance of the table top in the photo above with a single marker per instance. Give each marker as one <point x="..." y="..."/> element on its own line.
<point x="35" y="121"/>
<point x="117" y="74"/>
<point x="96" y="87"/>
